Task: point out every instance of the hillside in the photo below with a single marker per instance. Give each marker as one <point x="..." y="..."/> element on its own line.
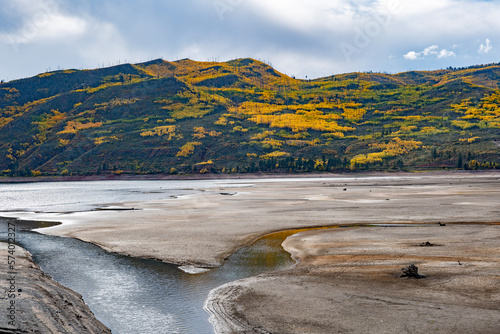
<point x="244" y="116"/>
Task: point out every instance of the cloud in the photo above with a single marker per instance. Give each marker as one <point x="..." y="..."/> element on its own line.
<point x="445" y="54"/>
<point x="432" y="50"/>
<point x="85" y="33"/>
<point x="42" y="21"/>
<point x="50" y="27"/>
<point x="412" y="55"/>
<point x="485" y="48"/>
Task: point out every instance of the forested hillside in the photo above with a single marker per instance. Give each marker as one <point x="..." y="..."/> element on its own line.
<point x="244" y="116"/>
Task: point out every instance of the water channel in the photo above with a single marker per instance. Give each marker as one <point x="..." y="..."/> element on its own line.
<point x="131" y="295"/>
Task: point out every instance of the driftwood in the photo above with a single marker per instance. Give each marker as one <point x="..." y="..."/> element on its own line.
<point x="426" y="244"/>
<point x="411" y="271"/>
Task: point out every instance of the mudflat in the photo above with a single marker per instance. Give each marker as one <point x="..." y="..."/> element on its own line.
<point x="205" y="228"/>
<point x="347" y="280"/>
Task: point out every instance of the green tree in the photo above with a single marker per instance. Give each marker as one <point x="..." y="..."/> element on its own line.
<point x="460" y="162"/>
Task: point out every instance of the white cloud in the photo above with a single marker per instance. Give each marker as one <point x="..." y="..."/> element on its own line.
<point x="412" y="55"/>
<point x="485" y="48"/>
<point x="445" y="54"/>
<point x="432" y="50"/>
<point x="48" y="27"/>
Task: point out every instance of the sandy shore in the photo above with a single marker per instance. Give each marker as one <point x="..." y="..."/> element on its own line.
<point x="41" y="305"/>
<point x="348" y="281"/>
<point x="353" y="291"/>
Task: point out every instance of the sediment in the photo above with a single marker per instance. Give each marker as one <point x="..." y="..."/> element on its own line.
<point x="348" y="281"/>
<point x="205" y="228"/>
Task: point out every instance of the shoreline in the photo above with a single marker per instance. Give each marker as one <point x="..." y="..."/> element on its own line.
<point x="250" y="176"/>
<point x="42" y="304"/>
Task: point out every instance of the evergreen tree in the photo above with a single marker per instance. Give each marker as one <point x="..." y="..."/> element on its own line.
<point x="460" y="161"/>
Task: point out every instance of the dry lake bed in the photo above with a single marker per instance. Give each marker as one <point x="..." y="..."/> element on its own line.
<point x="347" y="279"/>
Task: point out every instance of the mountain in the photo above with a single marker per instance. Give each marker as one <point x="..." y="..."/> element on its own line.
<point x="244" y="116"/>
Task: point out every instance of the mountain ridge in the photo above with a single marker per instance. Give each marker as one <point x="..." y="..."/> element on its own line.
<point x="244" y="116"/>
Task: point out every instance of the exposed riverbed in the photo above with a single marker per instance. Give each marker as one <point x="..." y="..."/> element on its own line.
<point x="202" y="224"/>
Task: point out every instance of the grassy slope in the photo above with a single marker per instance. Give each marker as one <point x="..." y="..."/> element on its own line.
<point x="243" y="115"/>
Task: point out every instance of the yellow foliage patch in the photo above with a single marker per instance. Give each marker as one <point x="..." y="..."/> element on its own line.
<point x="262" y="135"/>
<point x="276" y="154"/>
<point x="46" y="123"/>
<point x="63" y="142"/>
<point x="463" y="124"/>
<point x="469" y="140"/>
<point x="45" y="75"/>
<point x="354" y="115"/>
<point x="394" y="148"/>
<point x="187" y="149"/>
<point x="102" y="140"/>
<point x="166" y="130"/>
<point x="430" y="130"/>
<point x="5" y="120"/>
<point x="239" y="128"/>
<point x="302" y="121"/>
<point x="486" y="112"/>
<point x="221" y="121"/>
<point x="333" y="135"/>
<point x="286" y="135"/>
<point x="75" y="127"/>
<point x="269" y="142"/>
<point x="398" y="146"/>
<point x="209" y="162"/>
<point x="192" y="104"/>
<point x="214" y="133"/>
<point x="408" y="128"/>
<point x="199" y="132"/>
<point x="115" y="103"/>
<point x="302" y="143"/>
<point x="91" y="90"/>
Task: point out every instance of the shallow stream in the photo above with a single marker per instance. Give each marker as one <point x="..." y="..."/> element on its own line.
<point x="131" y="295"/>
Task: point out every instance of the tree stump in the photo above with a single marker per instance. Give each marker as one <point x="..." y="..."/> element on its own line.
<point x="411" y="271"/>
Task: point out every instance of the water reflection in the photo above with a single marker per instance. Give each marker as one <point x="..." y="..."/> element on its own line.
<point x="132" y="295"/>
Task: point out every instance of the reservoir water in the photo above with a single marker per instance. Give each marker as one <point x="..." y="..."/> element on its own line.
<point x="131" y="295"/>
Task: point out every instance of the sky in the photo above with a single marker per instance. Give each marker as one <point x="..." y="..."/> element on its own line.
<point x="301" y="38"/>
